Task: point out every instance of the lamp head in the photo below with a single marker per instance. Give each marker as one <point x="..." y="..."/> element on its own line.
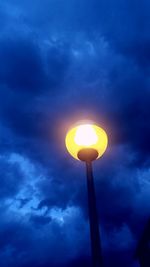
<point x="86" y="142"/>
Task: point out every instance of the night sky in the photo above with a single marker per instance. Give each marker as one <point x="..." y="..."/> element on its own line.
<point x="61" y="62"/>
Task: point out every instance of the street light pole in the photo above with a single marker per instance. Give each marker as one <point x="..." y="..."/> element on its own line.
<point x="88" y="142"/>
<point x="93" y="217"/>
<point x="88" y="155"/>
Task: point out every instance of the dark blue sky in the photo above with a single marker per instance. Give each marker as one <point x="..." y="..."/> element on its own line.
<point x="60" y="62"/>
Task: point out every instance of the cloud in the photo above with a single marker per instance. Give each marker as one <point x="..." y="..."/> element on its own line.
<point x="61" y="62"/>
<point x="21" y="67"/>
<point x="11" y="178"/>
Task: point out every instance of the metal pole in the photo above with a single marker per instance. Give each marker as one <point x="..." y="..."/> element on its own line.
<point x="94" y="225"/>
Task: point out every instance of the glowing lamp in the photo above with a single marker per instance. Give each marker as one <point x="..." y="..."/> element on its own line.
<point x="86" y="142"/>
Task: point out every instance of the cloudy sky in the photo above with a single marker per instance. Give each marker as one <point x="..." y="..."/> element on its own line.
<point x="61" y="62"/>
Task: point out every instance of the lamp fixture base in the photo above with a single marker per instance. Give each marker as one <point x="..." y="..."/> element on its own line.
<point x="87" y="154"/>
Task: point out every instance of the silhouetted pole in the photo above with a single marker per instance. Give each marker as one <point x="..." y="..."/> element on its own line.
<point x="143" y="247"/>
<point x="88" y="142"/>
<point x="93" y="217"/>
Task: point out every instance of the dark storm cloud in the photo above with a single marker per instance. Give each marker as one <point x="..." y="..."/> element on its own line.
<point x="55" y="58"/>
<point x="21" y="67"/>
<point x="25" y="75"/>
<point x="40" y="220"/>
<point x="24" y="238"/>
<point x="11" y="178"/>
<point x="27" y="55"/>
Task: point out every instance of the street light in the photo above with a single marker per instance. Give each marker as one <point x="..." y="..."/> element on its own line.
<point x="88" y="142"/>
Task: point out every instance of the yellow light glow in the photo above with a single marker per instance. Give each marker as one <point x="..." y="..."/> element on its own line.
<point x="86" y="136"/>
